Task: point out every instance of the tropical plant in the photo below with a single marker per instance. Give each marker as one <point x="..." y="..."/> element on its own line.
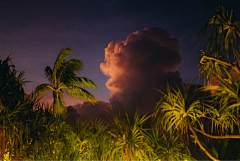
<point x="226" y="149"/>
<point x="11" y="84"/>
<point x="26" y="130"/>
<point x="128" y="141"/>
<point x="224" y="109"/>
<point x="63" y="76"/>
<point x="224" y="31"/>
<point x="168" y="146"/>
<point x="93" y="139"/>
<point x="11" y="93"/>
<point x="181" y="112"/>
<point x="32" y="133"/>
<point x="56" y="140"/>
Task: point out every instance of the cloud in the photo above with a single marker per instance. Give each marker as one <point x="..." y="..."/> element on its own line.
<point x="73" y="115"/>
<point x="138" y="66"/>
<point x="89" y="111"/>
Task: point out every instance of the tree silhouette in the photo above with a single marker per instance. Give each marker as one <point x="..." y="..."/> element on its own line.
<point x="11" y="84"/>
<point x="63" y="76"/>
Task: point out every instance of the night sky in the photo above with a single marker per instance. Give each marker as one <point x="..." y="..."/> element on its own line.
<point x="34" y="32"/>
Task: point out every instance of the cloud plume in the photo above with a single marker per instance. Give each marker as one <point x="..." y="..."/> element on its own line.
<point x="138" y="66"/>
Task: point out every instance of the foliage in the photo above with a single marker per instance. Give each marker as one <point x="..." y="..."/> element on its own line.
<point x="30" y="131"/>
<point x="11" y="93"/>
<point x="11" y="84"/>
<point x="63" y="76"/>
<point x="227" y="149"/>
<point x="224" y="31"/>
<point x="224" y="107"/>
<point x="168" y="146"/>
<point x="182" y="112"/>
<point x="128" y="141"/>
<point x="178" y="109"/>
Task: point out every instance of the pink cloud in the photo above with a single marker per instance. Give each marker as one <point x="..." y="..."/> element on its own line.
<point x="139" y="65"/>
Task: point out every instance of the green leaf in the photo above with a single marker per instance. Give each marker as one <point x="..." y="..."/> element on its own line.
<point x="81" y="93"/>
<point x="41" y="89"/>
<point x="62" y="56"/>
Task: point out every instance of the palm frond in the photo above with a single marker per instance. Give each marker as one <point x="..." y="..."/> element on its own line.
<point x="74" y="65"/>
<point x="85" y="82"/>
<point x="48" y="73"/>
<point x="63" y="76"/>
<point x="71" y="79"/>
<point x="41" y="89"/>
<point x="226" y="99"/>
<point x="176" y="108"/>
<point x="61" y="57"/>
<point x="222" y="28"/>
<point x="81" y="93"/>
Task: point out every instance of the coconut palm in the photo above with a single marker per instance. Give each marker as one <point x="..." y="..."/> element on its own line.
<point x="63" y="76"/>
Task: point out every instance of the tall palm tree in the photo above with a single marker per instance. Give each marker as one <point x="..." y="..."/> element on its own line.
<point x="63" y="76"/>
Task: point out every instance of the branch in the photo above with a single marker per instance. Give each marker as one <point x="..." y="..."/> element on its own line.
<point x="218" y="137"/>
<point x="200" y="145"/>
<point x="233" y="66"/>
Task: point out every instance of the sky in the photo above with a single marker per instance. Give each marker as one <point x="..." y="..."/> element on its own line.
<point x="34" y="32"/>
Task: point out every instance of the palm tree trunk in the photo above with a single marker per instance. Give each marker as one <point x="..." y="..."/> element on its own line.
<point x="55" y="104"/>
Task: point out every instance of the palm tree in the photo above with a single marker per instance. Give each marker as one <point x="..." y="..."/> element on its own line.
<point x="181" y="112"/>
<point x="224" y="31"/>
<point x="63" y="76"/>
<point x="223" y="28"/>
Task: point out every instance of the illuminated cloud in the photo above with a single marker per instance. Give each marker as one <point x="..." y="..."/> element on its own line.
<point x="147" y="60"/>
<point x="138" y="66"/>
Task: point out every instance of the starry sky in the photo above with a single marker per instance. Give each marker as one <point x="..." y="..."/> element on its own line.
<point x="34" y="32"/>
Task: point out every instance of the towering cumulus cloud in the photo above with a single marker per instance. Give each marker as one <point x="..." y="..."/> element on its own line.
<point x="140" y="65"/>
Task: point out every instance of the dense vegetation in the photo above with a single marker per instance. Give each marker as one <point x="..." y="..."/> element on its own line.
<point x="30" y="130"/>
